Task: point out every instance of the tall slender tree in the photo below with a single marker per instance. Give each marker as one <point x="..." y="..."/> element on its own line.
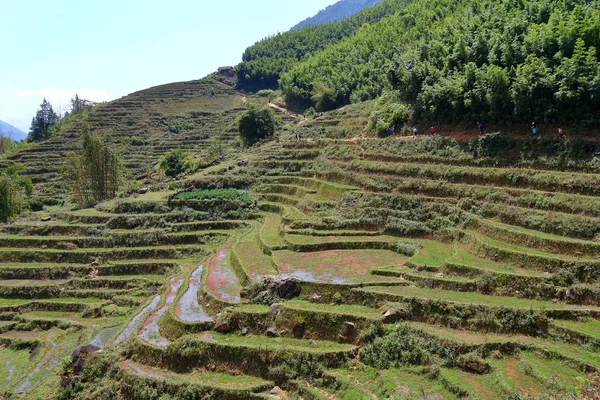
<point x="44" y="119"/>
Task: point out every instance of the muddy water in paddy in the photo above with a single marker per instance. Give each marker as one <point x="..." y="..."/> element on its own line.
<point x="150" y="332"/>
<point x="102" y="339"/>
<point x="135" y="321"/>
<point x="48" y="361"/>
<point x="222" y="282"/>
<point x="188" y="308"/>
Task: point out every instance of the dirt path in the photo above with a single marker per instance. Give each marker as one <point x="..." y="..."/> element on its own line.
<point x="286" y="111"/>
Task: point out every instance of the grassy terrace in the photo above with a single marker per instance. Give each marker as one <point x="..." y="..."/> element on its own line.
<point x="405" y="293"/>
<point x="269" y="344"/>
<point x="342" y="309"/>
<point x="566" y="350"/>
<point x="479" y="265"/>
<point x="202" y="379"/>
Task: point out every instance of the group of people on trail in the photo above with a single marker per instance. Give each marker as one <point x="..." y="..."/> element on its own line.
<point x="534" y="130"/>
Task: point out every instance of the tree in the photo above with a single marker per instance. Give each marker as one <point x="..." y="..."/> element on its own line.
<point x="14" y="191"/>
<point x="79" y="104"/>
<point x="256" y="124"/>
<point x="94" y="173"/>
<point x="173" y="162"/>
<point x="44" y="119"/>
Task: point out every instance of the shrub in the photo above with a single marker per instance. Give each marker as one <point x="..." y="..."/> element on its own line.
<point x="173" y="162"/>
<point x="14" y="190"/>
<point x="398" y="347"/>
<point x="256" y="124"/>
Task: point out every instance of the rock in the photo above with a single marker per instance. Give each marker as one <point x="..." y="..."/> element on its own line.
<point x="276" y="390"/>
<point x="298" y="329"/>
<point x="496" y="354"/>
<point x="439" y="275"/>
<point x="242" y="161"/>
<point x="80" y="356"/>
<point x="96" y="262"/>
<point x="394" y="315"/>
<point x="289" y="288"/>
<point x="222" y="327"/>
<point x="272" y="332"/>
<point x="68" y="245"/>
<point x="312" y="342"/>
<point x="473" y="363"/>
<point x="569" y="294"/>
<point x="222" y="323"/>
<point x="276" y="308"/>
<point x="349" y="325"/>
<point x="316" y="296"/>
<point x="244" y="331"/>
<point x="144" y="190"/>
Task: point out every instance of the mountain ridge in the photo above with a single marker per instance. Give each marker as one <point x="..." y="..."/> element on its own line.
<point x="337" y="12"/>
<point x="12" y="132"/>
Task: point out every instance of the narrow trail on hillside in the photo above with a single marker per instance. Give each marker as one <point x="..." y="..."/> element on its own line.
<point x="286" y="111"/>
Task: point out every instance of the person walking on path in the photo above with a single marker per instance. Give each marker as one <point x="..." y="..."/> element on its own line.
<point x="481" y="127"/>
<point x="432" y="130"/>
<point x="415" y="131"/>
<point x="534" y="129"/>
<point x="561" y="134"/>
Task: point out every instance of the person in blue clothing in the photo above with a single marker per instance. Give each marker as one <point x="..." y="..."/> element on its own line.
<point x="534" y="129"/>
<point x="481" y="128"/>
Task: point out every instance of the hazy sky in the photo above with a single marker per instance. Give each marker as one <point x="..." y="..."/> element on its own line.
<point x="107" y="49"/>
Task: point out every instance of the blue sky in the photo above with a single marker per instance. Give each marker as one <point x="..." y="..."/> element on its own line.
<point x="106" y="49"/>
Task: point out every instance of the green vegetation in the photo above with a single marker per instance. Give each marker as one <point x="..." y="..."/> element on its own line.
<point x="95" y="173"/>
<point x="14" y="192"/>
<point x="328" y="263"/>
<point x="452" y="60"/>
<point x="256" y="124"/>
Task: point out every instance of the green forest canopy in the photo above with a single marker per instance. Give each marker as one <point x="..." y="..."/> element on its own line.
<point x="458" y="60"/>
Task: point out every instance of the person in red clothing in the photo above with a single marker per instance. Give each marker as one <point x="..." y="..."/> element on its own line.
<point x="432" y="130"/>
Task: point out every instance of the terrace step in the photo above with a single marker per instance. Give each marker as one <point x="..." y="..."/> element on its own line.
<point x="197" y="383"/>
<point x="406" y="293"/>
<point x="470" y="341"/>
<point x="525" y="257"/>
<point x="90" y="255"/>
<point x="538" y="240"/>
<point x="342" y="323"/>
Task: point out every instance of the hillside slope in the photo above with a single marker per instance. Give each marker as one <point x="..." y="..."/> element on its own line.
<point x="145" y="125"/>
<point x="337" y="12"/>
<point x="458" y="60"/>
<point x="264" y="62"/>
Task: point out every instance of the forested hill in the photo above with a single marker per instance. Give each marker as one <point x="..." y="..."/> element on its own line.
<point x="457" y="60"/>
<point x="263" y="62"/>
<point x="337" y="12"/>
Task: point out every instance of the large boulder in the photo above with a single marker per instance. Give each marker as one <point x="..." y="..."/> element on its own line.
<point x="289" y="289"/>
<point x="80" y="356"/>
<point x="473" y="363"/>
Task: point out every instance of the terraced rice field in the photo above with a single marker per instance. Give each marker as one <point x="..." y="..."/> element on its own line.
<point x="366" y="268"/>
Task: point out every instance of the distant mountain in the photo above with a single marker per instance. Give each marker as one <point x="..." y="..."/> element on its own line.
<point x="337" y="12"/>
<point x="7" y="130"/>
